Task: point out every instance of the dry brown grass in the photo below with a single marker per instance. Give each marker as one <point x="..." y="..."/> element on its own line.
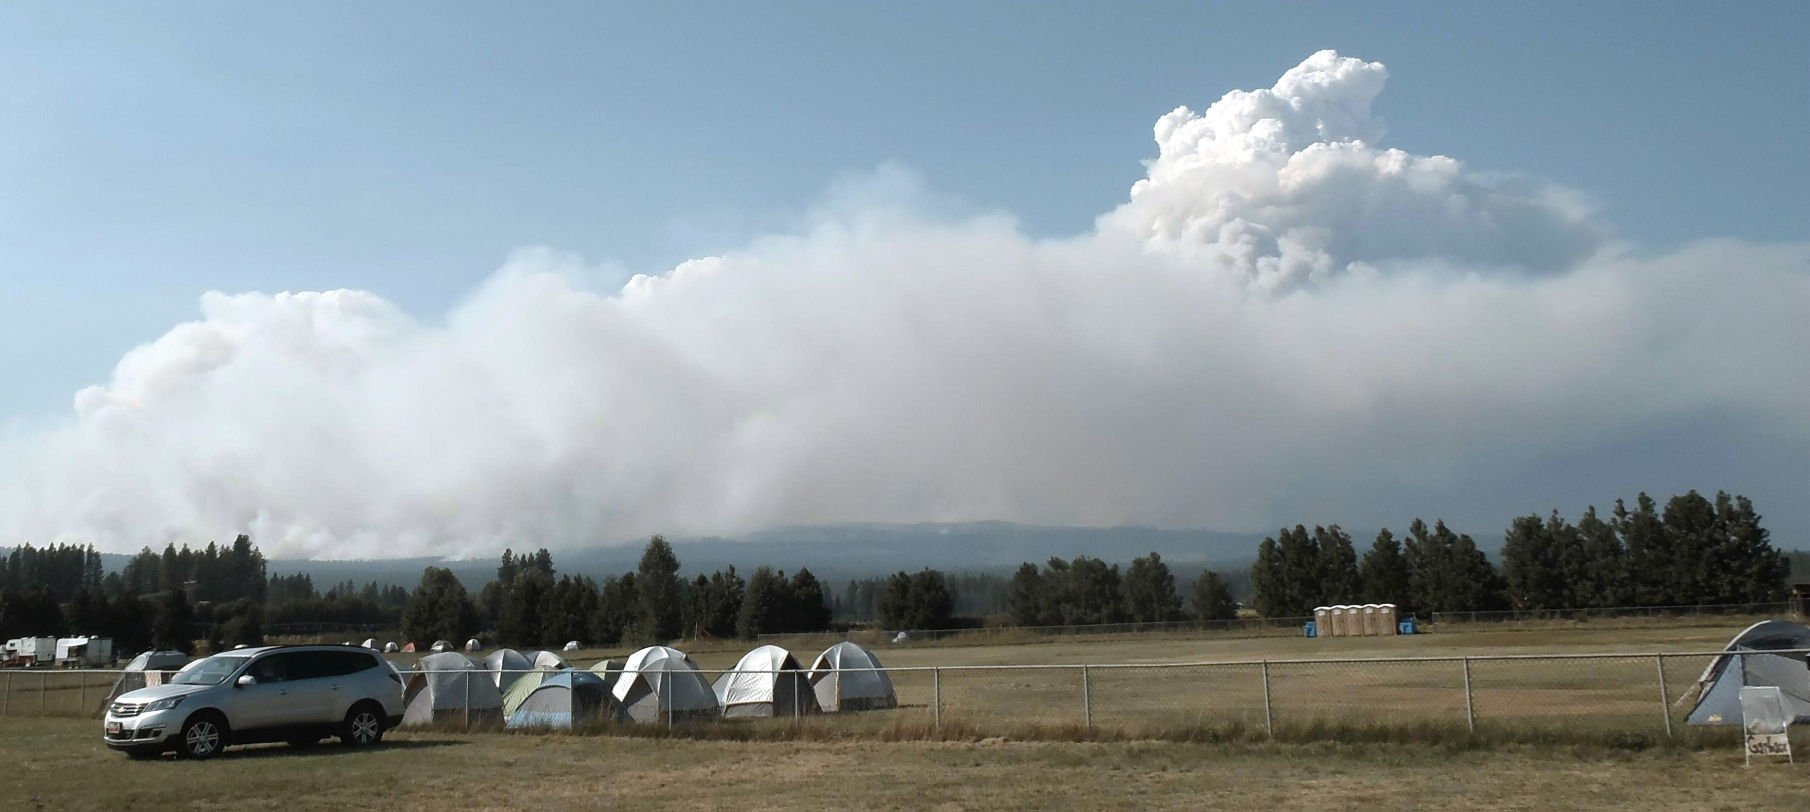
<point x="60" y="764"/>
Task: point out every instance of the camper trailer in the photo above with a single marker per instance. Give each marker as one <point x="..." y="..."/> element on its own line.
<point x="84" y="652"/>
<point x="25" y="652"/>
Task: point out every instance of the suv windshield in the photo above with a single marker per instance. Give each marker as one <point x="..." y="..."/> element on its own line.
<point x="211" y="671"/>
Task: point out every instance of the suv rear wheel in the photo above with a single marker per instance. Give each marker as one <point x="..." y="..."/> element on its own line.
<point x="363" y="726"/>
<point x="203" y="736"/>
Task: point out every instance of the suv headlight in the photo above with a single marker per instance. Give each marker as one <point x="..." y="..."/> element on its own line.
<point x="164" y="704"/>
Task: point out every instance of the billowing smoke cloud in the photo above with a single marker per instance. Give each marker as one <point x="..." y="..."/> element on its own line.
<point x="1284" y="322"/>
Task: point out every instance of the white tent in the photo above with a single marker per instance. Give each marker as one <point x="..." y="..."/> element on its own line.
<point x="370" y="643"/>
<point x="391" y="647"/>
<point x="449" y="686"/>
<point x="474" y="645"/>
<point x="563" y="700"/>
<point x="506" y="665"/>
<point x="547" y="659"/>
<point x="659" y="683"/>
<point x="572" y="645"/>
<point x="1719" y="689"/>
<point x="767" y="681"/>
<point x="608" y="669"/>
<point x="442" y="645"/>
<point x="845" y="677"/>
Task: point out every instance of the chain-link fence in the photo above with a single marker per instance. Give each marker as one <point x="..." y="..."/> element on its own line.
<point x="1525" y="695"/>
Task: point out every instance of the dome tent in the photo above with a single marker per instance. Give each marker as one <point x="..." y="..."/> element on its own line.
<point x="767" y="681"/>
<point x="659" y="684"/>
<point x="506" y="665"/>
<point x="565" y="699"/>
<point x="1719" y="688"/>
<point x="370" y="643"/>
<point x="448" y="685"/>
<point x="846" y="677"/>
<point x="474" y="644"/>
<point x="571" y="645"/>
<point x="442" y="645"/>
<point x="139" y="673"/>
<point x="391" y="648"/>
<point x="550" y="660"/>
<point x="609" y="670"/>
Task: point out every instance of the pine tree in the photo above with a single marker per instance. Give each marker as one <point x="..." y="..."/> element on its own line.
<point x="1150" y="591"/>
<point x="1212" y="600"/>
<point x="662" y="592"/>
<point x="1384" y="572"/>
<point x="1338" y="570"/>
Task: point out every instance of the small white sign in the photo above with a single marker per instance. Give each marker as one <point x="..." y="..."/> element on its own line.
<point x="1764" y="719"/>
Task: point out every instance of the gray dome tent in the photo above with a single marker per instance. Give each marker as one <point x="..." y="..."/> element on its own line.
<point x="506" y="665"/>
<point x="767" y="681"/>
<point x="564" y="699"/>
<point x="448" y="685"/>
<point x="1719" y="689"/>
<point x="658" y="684"/>
<point x="847" y="677"/>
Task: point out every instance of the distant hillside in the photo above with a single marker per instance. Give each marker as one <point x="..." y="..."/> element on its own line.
<point x="837" y="552"/>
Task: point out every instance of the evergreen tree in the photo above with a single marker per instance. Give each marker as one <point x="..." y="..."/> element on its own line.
<point x="1338" y="567"/>
<point x="1599" y="576"/>
<point x="618" y="610"/>
<point x="1643" y="536"/>
<point x="1384" y="572"/>
<point x="762" y="604"/>
<point x="170" y="629"/>
<point x="811" y="612"/>
<point x="524" y="603"/>
<point x="1150" y="591"/>
<point x="1534" y="562"/>
<point x="439" y="608"/>
<point x="1027" y="600"/>
<point x="931" y="604"/>
<point x="662" y="592"/>
<point x="1212" y="600"/>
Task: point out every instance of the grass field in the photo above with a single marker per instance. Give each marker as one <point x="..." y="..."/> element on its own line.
<point x="58" y="764"/>
<point x="1153" y="690"/>
<point x="1551" y="734"/>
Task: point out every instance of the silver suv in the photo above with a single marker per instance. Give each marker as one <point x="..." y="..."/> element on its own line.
<point x="297" y="694"/>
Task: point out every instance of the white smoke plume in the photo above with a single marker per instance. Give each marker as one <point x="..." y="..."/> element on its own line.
<point x="1285" y="322"/>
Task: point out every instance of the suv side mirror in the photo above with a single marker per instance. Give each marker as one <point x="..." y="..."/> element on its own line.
<point x="246" y="679"/>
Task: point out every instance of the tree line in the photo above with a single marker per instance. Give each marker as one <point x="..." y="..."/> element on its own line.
<point x="530" y="604"/>
<point x="1693" y="552"/>
<point x="1087" y="591"/>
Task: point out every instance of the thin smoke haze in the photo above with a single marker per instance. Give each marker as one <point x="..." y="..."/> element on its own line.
<point x="1285" y="321"/>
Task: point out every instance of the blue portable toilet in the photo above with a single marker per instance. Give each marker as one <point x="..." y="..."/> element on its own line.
<point x="1407" y="627"/>
<point x="1310" y="629"/>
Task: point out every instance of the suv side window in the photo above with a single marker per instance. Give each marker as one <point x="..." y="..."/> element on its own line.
<point x="279" y="667"/>
<point x="340" y="663"/>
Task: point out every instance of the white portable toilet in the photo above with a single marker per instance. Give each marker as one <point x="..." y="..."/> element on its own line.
<point x="1370" y="620"/>
<point x="1385" y="615"/>
<point x="1341" y="620"/>
<point x="1323" y="621"/>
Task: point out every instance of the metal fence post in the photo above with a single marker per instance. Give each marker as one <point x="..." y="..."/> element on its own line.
<point x="666" y="687"/>
<point x="1087" y="699"/>
<point x="1665" y="706"/>
<point x="1269" y="715"/>
<point x="1470" y="706"/>
<point x="44" y="694"/>
<point x="83" y="676"/>
<point x="6" y="702"/>
<point x="936" y="700"/>
<point x="468" y="700"/>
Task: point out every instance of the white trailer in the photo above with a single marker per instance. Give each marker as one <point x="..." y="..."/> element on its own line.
<point x="37" y="650"/>
<point x="84" y="652"/>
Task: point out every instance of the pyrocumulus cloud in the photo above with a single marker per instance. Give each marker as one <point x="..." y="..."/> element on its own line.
<point x="1285" y="321"/>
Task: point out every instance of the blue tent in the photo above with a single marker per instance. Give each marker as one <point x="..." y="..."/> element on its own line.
<point x="564" y="699"/>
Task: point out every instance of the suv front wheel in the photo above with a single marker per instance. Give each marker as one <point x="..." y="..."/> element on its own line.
<point x="203" y="736"/>
<point x="363" y="726"/>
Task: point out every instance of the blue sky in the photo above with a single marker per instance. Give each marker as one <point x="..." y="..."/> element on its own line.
<point x="154" y="152"/>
